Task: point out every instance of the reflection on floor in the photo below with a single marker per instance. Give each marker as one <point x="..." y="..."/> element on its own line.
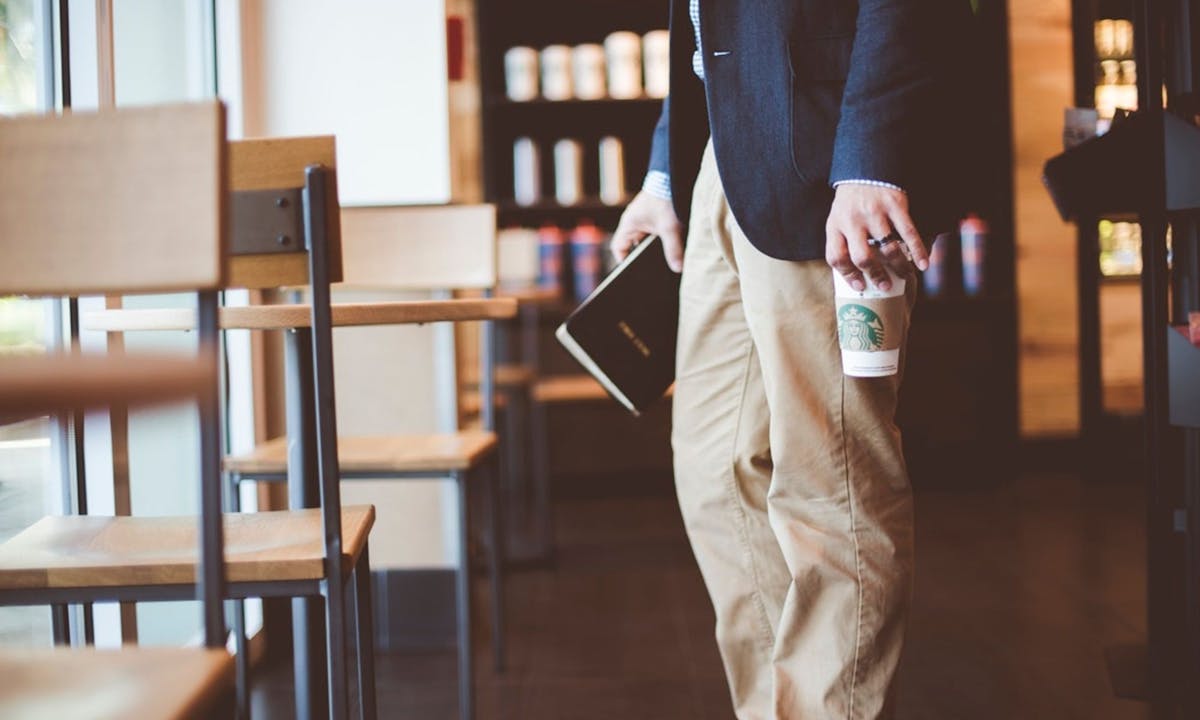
<point x="1019" y="589"/>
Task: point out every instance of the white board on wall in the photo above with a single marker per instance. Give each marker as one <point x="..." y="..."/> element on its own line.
<point x="371" y="72"/>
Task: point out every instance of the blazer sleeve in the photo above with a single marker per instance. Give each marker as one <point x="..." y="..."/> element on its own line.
<point x="660" y="158"/>
<point x="888" y="90"/>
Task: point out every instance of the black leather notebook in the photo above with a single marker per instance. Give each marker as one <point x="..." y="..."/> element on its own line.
<point x="624" y="332"/>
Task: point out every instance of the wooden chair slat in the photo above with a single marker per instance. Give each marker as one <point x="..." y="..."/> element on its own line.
<point x="94" y="551"/>
<point x="89" y="684"/>
<point x="280" y="317"/>
<point x="271" y="164"/>
<point x="44" y="384"/>
<point x="128" y="201"/>
<point x="431" y="247"/>
<point x="399" y="453"/>
<point x="568" y="388"/>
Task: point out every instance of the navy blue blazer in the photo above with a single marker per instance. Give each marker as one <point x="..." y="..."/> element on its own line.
<point x="801" y="94"/>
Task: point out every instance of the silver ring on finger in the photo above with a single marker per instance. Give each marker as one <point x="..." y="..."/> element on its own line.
<point x="884" y="241"/>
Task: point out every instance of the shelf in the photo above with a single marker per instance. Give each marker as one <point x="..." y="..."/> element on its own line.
<point x="547" y="119"/>
<point x="503" y="104"/>
<point x="1108" y="176"/>
<point x="510" y="213"/>
<point x="1183" y="378"/>
<point x="1130" y="279"/>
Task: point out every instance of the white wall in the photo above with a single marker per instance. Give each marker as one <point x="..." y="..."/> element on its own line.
<point x="372" y="72"/>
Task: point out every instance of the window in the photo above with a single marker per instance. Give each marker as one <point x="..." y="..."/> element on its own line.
<point x="30" y="468"/>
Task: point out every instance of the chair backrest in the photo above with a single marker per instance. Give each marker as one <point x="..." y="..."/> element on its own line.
<point x="280" y="164"/>
<point x="123" y="201"/>
<point x="419" y="247"/>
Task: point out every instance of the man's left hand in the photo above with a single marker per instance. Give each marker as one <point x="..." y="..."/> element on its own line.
<point x="864" y="212"/>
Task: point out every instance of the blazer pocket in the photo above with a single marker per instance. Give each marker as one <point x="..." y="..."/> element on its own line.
<point x="819" y="66"/>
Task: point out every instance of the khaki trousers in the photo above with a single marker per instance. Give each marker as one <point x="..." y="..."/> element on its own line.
<point x="790" y="479"/>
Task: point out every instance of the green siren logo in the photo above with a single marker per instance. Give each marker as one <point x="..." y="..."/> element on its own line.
<point x="859" y="328"/>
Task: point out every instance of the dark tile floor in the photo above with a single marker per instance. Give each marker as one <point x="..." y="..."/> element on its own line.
<point x="1019" y="589"/>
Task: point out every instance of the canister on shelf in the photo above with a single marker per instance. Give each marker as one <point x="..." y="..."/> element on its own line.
<point x="527" y="172"/>
<point x="656" y="56"/>
<point x="517" y="257"/>
<point x="972" y="234"/>
<point x="612" y="171"/>
<point x="556" y="72"/>
<point x="521" y="73"/>
<point x="1122" y="38"/>
<point x="623" y="51"/>
<point x="587" y="71"/>
<point x="568" y="172"/>
<point x="1105" y="38"/>
<point x="587" y="258"/>
<point x="550" y="258"/>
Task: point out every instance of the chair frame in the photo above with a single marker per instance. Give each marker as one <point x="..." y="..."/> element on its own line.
<point x="491" y="468"/>
<point x="320" y="445"/>
<point x="209" y="586"/>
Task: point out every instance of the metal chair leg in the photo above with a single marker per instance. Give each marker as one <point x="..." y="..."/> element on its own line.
<point x="495" y="511"/>
<point x="364" y="625"/>
<point x="466" y="679"/>
<point x="335" y="645"/>
<point x="242" y="659"/>
<point x="236" y="610"/>
<point x="60" y="624"/>
<point x="542" y="503"/>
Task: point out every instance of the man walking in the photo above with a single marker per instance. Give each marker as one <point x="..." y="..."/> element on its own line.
<point x="798" y="135"/>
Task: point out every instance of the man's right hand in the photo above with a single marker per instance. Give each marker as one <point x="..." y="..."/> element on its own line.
<point x="650" y="215"/>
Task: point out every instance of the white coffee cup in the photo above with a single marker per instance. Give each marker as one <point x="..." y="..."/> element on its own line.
<point x="521" y="73"/>
<point x="870" y="326"/>
<point x="623" y="51"/>
<point x="587" y="71"/>
<point x="656" y="55"/>
<point x="556" y="72"/>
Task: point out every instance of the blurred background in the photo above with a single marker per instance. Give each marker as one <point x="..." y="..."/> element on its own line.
<point x="1022" y="408"/>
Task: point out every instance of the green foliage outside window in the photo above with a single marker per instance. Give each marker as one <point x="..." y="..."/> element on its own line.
<point x="18" y="62"/>
<point x="21" y="326"/>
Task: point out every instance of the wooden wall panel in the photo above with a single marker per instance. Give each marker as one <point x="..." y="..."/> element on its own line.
<point x="1040" y="37"/>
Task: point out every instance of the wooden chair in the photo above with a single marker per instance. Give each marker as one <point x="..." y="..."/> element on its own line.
<point x="86" y="202"/>
<point x="284" y="221"/>
<point x="425" y="248"/>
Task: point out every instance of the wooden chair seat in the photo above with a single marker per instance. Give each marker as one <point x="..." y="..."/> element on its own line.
<point x="462" y="450"/>
<point x="93" y="551"/>
<point x="90" y="684"/>
<point x="530" y="295"/>
<point x="571" y="388"/>
<point x="471" y="403"/>
<point x="45" y="383"/>
<point x="568" y="388"/>
<point x="508" y="376"/>
<point x="281" y="317"/>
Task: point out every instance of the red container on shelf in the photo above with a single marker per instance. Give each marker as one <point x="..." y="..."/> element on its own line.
<point x="972" y="233"/>
<point x="550" y="257"/>
<point x="587" y="258"/>
<point x="934" y="277"/>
